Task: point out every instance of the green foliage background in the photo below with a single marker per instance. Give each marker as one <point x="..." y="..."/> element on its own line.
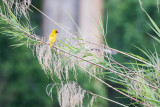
<point x="128" y="24"/>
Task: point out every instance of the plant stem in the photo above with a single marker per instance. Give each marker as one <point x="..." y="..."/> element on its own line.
<point x="133" y="73"/>
<point x="106" y="99"/>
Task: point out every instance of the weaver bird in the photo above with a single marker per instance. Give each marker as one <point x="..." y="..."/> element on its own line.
<point x="52" y="37"/>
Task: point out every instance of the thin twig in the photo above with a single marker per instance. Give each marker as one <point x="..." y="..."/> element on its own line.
<point x="106" y="47"/>
<point x="106" y="99"/>
<point x="133" y="73"/>
<point x="116" y="89"/>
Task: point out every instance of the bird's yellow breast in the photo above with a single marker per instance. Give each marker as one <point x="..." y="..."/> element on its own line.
<point x="52" y="39"/>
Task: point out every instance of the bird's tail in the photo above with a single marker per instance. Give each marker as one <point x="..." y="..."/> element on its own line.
<point x="51" y="45"/>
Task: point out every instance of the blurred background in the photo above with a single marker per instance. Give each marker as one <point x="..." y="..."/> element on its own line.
<point x="23" y="82"/>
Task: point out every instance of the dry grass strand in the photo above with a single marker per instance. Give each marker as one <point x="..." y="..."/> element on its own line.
<point x="71" y="95"/>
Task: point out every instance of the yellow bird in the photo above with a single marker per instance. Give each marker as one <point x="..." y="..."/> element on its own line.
<point x="52" y="37"/>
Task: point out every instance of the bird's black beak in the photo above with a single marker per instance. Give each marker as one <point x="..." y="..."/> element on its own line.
<point x="57" y="32"/>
